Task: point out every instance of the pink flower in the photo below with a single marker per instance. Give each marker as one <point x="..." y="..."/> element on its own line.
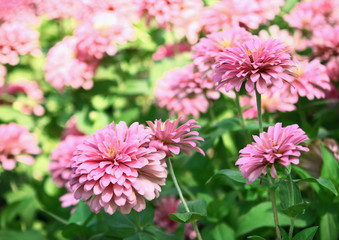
<point x="21" y="11"/>
<point x="71" y="128"/>
<point x="260" y="62"/>
<point x="60" y="166"/>
<point x="16" y="143"/>
<point x="65" y="66"/>
<point x="117" y="166"/>
<point x="59" y="9"/>
<point x="276" y="146"/>
<point x="312" y="81"/>
<point x="31" y="103"/>
<point x="326" y="42"/>
<point x="68" y="200"/>
<point x="3" y="72"/>
<point x="207" y="49"/>
<point x="101" y="33"/>
<point x="165" y="206"/>
<point x="183" y="92"/>
<point x="170" y="138"/>
<point x="333" y="68"/>
<point x="17" y="39"/>
<point x="165" y="51"/>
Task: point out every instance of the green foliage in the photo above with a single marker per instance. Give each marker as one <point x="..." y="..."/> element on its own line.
<point x="197" y="212"/>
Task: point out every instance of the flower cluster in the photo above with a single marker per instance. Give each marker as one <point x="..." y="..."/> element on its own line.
<point x="16" y="144"/>
<point x="276" y="146"/>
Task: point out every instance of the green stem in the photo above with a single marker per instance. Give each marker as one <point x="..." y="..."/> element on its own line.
<point x="274" y="207"/>
<point x="291" y="198"/>
<point x="59" y="219"/>
<point x="237" y="102"/>
<point x="137" y="224"/>
<point x="169" y="163"/>
<point x="258" y="99"/>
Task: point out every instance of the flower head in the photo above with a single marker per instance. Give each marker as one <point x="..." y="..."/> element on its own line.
<point x="3" y="72"/>
<point x="325" y="41"/>
<point x="184" y="92"/>
<point x="260" y="62"/>
<point x="118" y="167"/>
<point x="276" y="146"/>
<point x="170" y="138"/>
<point x="332" y="67"/>
<point x="16" y="144"/>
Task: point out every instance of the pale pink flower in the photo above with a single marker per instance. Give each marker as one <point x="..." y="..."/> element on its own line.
<point x="65" y="66"/>
<point x="68" y="200"/>
<point x="117" y="166"/>
<point x="325" y="41"/>
<point x="276" y="146"/>
<point x="165" y="51"/>
<point x="183" y="92"/>
<point x="258" y="62"/>
<point x="16" y="144"/>
<point x="59" y="9"/>
<point x="312" y="81"/>
<point x="296" y="41"/>
<point x="332" y="67"/>
<point x="71" y="128"/>
<point x="101" y="34"/>
<point x="60" y="166"/>
<point x="207" y="49"/>
<point x="3" y="72"/>
<point x="21" y="11"/>
<point x="165" y="206"/>
<point x="17" y="39"/>
<point x="172" y="139"/>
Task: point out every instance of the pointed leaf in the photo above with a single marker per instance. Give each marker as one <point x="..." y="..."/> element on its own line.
<point x="306" y="234"/>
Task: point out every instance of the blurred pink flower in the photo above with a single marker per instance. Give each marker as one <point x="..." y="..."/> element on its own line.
<point x="20" y="11"/>
<point x="101" y="33"/>
<point x="207" y="49"/>
<point x="117" y="166"/>
<point x="325" y="41"/>
<point x="59" y="9"/>
<point x="165" y="51"/>
<point x="170" y="138"/>
<point x="31" y="103"/>
<point x="3" y="72"/>
<point x="312" y="81"/>
<point x="65" y="66"/>
<point x="68" y="200"/>
<point x="332" y="67"/>
<point x="183" y="92"/>
<point x="16" y="144"/>
<point x="17" y="39"/>
<point x="60" y="166"/>
<point x="227" y="14"/>
<point x="257" y="61"/>
<point x="276" y="146"/>
<point x="71" y="128"/>
<point x="165" y="206"/>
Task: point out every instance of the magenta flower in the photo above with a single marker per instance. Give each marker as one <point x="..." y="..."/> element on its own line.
<point x="258" y="62"/>
<point x="60" y="166"/>
<point x="118" y="167"/>
<point x="165" y="51"/>
<point x="170" y="138"/>
<point x="276" y="146"/>
<point x="16" y="144"/>
<point x="184" y="92"/>
<point x="207" y="49"/>
<point x="165" y="206"/>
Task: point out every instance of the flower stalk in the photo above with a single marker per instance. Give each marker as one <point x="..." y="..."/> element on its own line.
<point x="291" y="199"/>
<point x="169" y="163"/>
<point x="274" y="206"/>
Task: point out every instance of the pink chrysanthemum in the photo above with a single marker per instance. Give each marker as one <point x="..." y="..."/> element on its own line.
<point x="258" y="62"/>
<point x="276" y="146"/>
<point x="169" y="50"/>
<point x="23" y="11"/>
<point x="16" y="144"/>
<point x="333" y="68"/>
<point x="17" y="39"/>
<point x="165" y="206"/>
<point x="68" y="200"/>
<point x="71" y="128"/>
<point x="170" y="138"/>
<point x="102" y="32"/>
<point x="60" y="166"/>
<point x="31" y="102"/>
<point x="183" y="92"/>
<point x="3" y="72"/>
<point x="312" y="81"/>
<point x="207" y="49"/>
<point x="59" y="9"/>
<point x="65" y="66"/>
<point x="326" y="42"/>
<point x="117" y="166"/>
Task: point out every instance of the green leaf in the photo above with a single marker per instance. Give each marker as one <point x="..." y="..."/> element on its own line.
<point x="296" y="209"/>
<point x="73" y="230"/>
<point x="219" y="232"/>
<point x="186" y="217"/>
<point x="324" y="182"/>
<point x="81" y="213"/>
<point x="329" y="229"/>
<point x="198" y="206"/>
<point x="306" y="234"/>
<point x="330" y="167"/>
<point x="284" y="234"/>
<point x="141" y="236"/>
<point x="291" y="209"/>
<point x="255" y="237"/>
<point x="13" y="235"/>
<point x="158" y="234"/>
